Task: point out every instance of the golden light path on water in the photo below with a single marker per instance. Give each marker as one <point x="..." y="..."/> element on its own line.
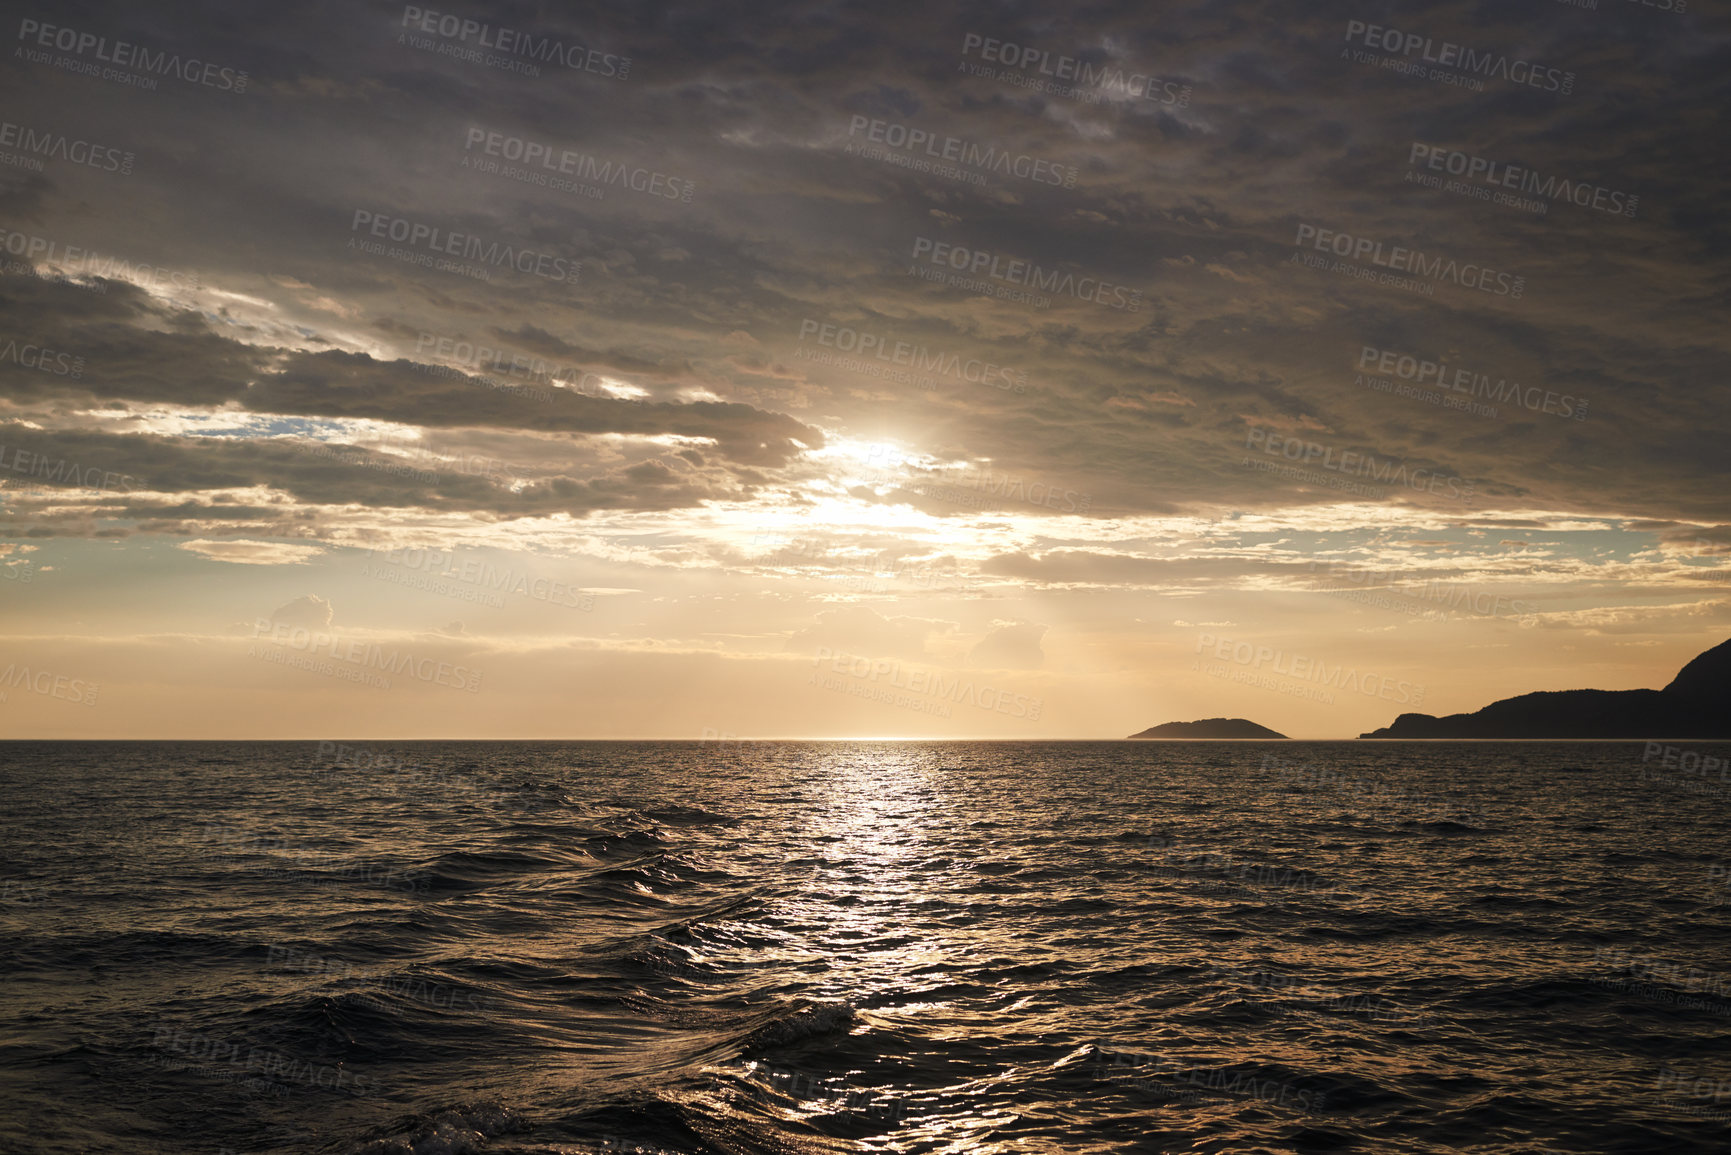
<point x="865" y="937"/>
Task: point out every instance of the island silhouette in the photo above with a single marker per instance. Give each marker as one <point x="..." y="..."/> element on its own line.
<point x="1209" y="728"/>
<point x="1697" y="704"/>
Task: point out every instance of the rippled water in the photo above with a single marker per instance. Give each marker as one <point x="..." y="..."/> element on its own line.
<point x="920" y="947"/>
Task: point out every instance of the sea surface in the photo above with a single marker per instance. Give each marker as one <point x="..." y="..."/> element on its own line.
<point x="518" y="948"/>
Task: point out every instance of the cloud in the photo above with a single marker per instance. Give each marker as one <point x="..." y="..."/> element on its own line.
<point x="307" y="610"/>
<point x="1196" y="207"/>
<point x="240" y="551"/>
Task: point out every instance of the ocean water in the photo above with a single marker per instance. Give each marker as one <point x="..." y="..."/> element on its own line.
<point x="692" y="947"/>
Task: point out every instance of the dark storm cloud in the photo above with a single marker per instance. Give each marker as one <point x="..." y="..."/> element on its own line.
<point x="354" y="385"/>
<point x="186" y="362"/>
<point x="116" y="476"/>
<point x="1197" y="206"/>
<point x="177" y="358"/>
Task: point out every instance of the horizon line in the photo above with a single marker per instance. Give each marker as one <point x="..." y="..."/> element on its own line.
<point x="747" y="741"/>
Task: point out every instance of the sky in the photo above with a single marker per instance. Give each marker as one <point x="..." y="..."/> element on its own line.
<point x="727" y="371"/>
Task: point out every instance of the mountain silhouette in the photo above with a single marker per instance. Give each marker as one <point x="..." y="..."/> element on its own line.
<point x="1697" y="704"/>
<point x="1209" y="728"/>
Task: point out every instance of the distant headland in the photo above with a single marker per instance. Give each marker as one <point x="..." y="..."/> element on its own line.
<point x="1697" y="704"/>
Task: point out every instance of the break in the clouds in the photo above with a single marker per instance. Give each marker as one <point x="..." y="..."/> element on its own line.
<point x="976" y="336"/>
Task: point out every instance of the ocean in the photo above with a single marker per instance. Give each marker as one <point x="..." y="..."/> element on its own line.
<point x="521" y="948"/>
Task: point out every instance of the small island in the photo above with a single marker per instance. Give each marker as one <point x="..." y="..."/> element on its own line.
<point x="1210" y="728"/>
